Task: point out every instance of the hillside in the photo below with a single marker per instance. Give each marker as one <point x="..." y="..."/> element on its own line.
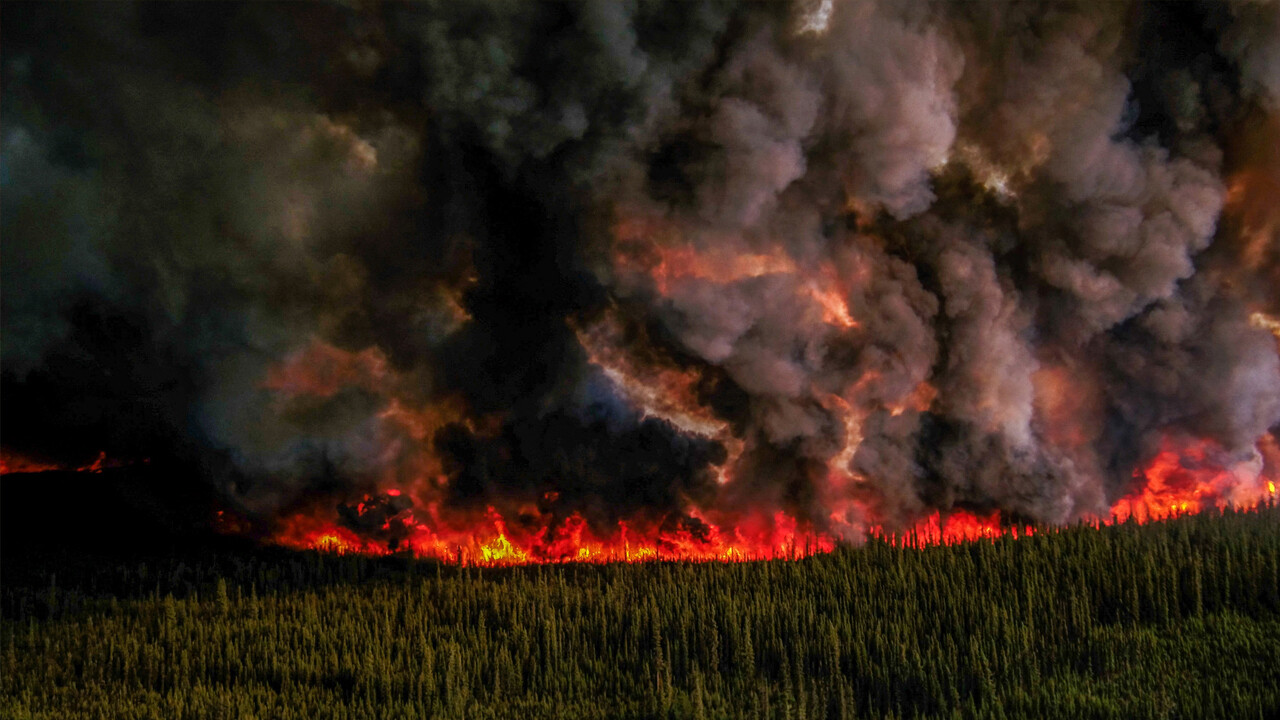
<point x="1171" y="619"/>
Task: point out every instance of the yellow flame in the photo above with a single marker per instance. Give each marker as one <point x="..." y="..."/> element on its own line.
<point x="1266" y="322"/>
<point x="835" y="311"/>
<point x="500" y="549"/>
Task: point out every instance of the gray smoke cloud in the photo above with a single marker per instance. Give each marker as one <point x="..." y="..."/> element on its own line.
<point x="893" y="258"/>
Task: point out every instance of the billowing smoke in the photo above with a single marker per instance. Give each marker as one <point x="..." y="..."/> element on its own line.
<point x="853" y="261"/>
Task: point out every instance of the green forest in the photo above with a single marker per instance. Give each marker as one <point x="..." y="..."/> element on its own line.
<point x="1174" y="619"/>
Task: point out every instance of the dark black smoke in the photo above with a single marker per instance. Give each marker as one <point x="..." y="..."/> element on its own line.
<point x="1009" y="199"/>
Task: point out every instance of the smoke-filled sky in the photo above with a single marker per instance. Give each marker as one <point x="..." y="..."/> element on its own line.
<point x="855" y="261"/>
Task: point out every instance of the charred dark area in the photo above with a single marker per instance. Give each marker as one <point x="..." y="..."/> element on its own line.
<point x="115" y="513"/>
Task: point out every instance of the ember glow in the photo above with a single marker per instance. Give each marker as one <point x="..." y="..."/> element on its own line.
<point x="11" y="463"/>
<point x="762" y="279"/>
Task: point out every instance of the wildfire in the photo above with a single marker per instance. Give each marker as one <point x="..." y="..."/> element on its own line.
<point x="494" y="540"/>
<point x="1185" y="479"/>
<point x="12" y="463"/>
<point x="955" y="527"/>
<point x="1179" y="479"/>
<point x="1182" y="478"/>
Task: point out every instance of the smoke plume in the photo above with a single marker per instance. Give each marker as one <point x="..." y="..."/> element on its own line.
<point x="665" y="263"/>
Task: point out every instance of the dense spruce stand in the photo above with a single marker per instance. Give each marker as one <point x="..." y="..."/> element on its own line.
<point x="1169" y="619"/>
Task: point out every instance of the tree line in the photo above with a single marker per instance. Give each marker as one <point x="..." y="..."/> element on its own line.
<point x="1175" y="619"/>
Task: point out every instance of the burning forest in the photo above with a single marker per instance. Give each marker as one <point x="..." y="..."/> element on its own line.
<point x="510" y="282"/>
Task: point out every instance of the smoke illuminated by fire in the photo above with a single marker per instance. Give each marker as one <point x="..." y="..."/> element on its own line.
<point x="708" y="281"/>
<point x="1184" y="479"/>
<point x="664" y="392"/>
<point x="1266" y="322"/>
<point x="652" y="252"/>
<point x="1175" y="482"/>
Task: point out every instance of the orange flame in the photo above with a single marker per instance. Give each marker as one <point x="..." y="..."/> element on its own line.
<point x="408" y="515"/>
<point x="1184" y="479"/>
<point x="13" y="463"/>
<point x="493" y="540"/>
<point x="828" y="294"/>
<point x="1178" y="480"/>
<point x="958" y="526"/>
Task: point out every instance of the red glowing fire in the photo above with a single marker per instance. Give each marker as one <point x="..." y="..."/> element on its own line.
<point x="955" y="527"/>
<point x="1177" y="481"/>
<point x="490" y="539"/>
<point x="407" y="513"/>
<point x="13" y="463"/>
<point x="1184" y="479"/>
